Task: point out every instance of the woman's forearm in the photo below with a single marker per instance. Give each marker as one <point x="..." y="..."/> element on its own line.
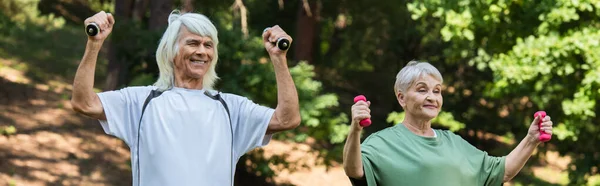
<point x="352" y="156"/>
<point x="517" y="158"/>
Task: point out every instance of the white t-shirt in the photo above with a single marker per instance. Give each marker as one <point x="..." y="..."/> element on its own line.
<point x="185" y="136"/>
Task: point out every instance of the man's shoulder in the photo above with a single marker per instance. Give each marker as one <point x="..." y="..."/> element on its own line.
<point x="137" y="89"/>
<point x="229" y="97"/>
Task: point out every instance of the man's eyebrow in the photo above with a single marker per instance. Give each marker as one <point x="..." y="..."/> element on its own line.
<point x="189" y="40"/>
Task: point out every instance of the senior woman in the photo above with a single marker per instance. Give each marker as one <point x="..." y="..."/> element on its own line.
<point x="413" y="153"/>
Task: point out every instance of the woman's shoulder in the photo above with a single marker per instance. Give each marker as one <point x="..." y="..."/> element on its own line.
<point x="381" y="135"/>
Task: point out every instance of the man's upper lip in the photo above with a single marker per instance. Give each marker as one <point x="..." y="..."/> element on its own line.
<point x="428" y="105"/>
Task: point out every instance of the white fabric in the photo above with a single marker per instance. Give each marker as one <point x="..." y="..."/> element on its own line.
<point x="185" y="136"/>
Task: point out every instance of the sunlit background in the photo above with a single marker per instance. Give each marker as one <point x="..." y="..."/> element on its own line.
<point x="501" y="61"/>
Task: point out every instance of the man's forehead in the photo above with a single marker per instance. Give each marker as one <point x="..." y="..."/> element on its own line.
<point x="186" y="34"/>
<point x="189" y="37"/>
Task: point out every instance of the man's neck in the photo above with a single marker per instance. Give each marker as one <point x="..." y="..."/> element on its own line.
<point x="188" y="83"/>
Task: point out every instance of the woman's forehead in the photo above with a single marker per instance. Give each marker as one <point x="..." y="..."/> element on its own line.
<point x="427" y="79"/>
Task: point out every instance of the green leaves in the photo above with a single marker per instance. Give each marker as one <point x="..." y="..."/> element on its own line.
<point x="546" y="51"/>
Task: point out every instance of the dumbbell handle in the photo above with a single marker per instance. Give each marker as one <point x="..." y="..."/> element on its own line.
<point x="281" y="43"/>
<point x="544" y="137"/>
<point x="92" y="29"/>
<point x="365" y="122"/>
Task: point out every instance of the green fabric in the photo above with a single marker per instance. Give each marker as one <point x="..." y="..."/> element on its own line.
<point x="396" y="156"/>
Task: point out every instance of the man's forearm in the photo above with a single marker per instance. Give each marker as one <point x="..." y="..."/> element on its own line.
<point x="519" y="156"/>
<point x="352" y="156"/>
<point x="83" y="84"/>
<point x="288" y="109"/>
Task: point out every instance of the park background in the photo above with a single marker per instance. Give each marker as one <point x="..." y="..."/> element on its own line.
<point x="502" y="60"/>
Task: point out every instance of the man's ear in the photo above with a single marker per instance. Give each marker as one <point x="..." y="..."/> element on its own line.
<point x="400" y="98"/>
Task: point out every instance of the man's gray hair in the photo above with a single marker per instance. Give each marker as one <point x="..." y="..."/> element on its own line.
<point x="168" y="48"/>
<point x="411" y="72"/>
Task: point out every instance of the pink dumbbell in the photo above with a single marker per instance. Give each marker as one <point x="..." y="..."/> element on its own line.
<point x="364" y="122"/>
<point x="543" y="136"/>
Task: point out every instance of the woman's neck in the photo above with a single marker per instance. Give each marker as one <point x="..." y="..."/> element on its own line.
<point x="420" y="127"/>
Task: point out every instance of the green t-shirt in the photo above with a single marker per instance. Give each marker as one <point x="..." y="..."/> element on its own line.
<point x="396" y="156"/>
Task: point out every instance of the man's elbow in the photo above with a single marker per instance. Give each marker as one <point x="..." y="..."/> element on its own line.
<point x="85" y="108"/>
<point x="291" y="123"/>
<point x="78" y="106"/>
<point x="295" y="122"/>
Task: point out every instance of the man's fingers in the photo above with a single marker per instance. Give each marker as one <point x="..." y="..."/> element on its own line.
<point x="266" y="34"/>
<point x="111" y="19"/>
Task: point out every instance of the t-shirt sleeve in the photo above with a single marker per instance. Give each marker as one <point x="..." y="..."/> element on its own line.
<point x="491" y="168"/>
<point x="492" y="172"/>
<point x="122" y="109"/>
<point x="250" y="122"/>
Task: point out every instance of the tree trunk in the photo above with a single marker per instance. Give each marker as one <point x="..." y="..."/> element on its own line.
<point x="116" y="68"/>
<point x="188" y="6"/>
<point x="139" y="9"/>
<point x="306" y="27"/>
<point x="159" y="13"/>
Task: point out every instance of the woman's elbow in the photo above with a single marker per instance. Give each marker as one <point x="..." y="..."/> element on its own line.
<point x="508" y="175"/>
<point x="507" y="178"/>
<point x="353" y="172"/>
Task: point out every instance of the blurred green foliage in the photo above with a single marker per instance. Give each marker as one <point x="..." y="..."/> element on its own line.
<point x="501" y="61"/>
<point x="544" y="53"/>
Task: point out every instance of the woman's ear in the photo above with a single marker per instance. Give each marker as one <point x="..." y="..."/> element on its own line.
<point x="400" y="98"/>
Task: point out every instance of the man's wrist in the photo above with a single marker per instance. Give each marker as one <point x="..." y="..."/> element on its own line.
<point x="94" y="44"/>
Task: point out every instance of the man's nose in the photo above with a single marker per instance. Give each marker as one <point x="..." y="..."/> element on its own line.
<point x="201" y="50"/>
